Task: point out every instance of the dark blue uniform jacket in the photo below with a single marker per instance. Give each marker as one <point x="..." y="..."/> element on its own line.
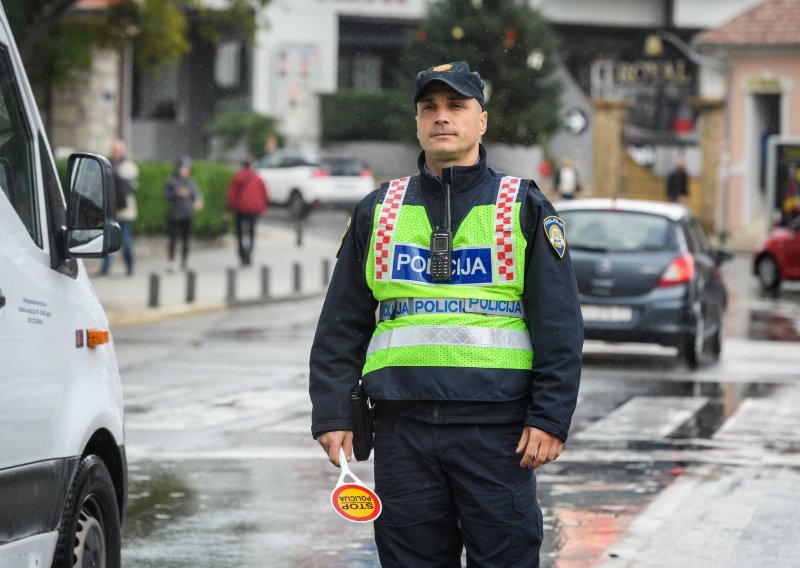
<point x="348" y="319"/>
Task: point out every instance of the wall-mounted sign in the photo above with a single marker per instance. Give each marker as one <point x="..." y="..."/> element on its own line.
<point x="763" y="85"/>
<point x="575" y="121"/>
<point x="660" y="88"/>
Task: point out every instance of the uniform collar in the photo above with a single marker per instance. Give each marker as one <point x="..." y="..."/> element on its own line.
<point x="464" y="177"/>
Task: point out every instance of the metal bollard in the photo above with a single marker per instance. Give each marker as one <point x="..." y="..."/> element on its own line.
<point x="326" y="271"/>
<point x="297" y="277"/>
<point x="191" y="281"/>
<point x="152" y="300"/>
<point x="231" y="296"/>
<point x="265" y="282"/>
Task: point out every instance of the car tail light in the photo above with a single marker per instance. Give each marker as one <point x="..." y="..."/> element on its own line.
<point x="366" y="173"/>
<point x="320" y="173"/>
<point x="679" y="271"/>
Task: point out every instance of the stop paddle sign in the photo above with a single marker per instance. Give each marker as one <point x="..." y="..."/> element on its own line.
<point x="354" y="501"/>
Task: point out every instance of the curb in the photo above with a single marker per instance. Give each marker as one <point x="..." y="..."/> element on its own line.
<point x="166" y="313"/>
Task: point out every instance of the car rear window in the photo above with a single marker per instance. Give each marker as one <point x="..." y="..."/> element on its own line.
<point x="343" y="166"/>
<point x="608" y="230"/>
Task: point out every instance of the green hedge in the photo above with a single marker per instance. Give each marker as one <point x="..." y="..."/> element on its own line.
<point x="212" y="179"/>
<point x="358" y="115"/>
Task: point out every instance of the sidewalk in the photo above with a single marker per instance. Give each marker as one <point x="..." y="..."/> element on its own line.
<point x="126" y="298"/>
<point x="742" y="510"/>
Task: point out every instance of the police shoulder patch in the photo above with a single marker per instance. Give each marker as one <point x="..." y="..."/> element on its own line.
<point x="344" y="236"/>
<point x="554" y="230"/>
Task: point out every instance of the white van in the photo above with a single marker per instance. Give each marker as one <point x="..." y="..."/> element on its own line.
<point x="63" y="474"/>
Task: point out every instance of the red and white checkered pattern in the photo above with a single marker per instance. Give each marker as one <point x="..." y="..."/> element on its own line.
<point x="504" y="228"/>
<point x="387" y="220"/>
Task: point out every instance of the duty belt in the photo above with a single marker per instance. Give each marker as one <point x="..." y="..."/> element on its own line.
<point x="401" y="307"/>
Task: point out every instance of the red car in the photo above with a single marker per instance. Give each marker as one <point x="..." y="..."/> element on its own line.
<point x="777" y="257"/>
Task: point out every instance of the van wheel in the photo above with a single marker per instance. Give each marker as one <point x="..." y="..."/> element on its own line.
<point x="768" y="274"/>
<point x="89" y="532"/>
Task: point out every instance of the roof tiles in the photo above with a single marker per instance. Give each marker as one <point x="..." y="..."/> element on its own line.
<point x="772" y="23"/>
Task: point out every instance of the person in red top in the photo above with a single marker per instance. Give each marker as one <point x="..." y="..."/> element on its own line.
<point x="248" y="198"/>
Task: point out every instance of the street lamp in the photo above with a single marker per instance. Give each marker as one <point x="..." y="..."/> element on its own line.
<point x="723" y="67"/>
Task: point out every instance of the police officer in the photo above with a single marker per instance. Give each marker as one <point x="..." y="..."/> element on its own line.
<point x="473" y="369"/>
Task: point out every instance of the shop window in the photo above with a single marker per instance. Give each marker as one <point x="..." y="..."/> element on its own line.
<point x="156" y="93"/>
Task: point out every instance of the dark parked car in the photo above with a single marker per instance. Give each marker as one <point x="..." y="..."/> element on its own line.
<point x="647" y="273"/>
<point x="777" y="257"/>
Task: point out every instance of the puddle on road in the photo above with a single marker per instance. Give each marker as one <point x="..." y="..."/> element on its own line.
<point x="724" y="400"/>
<point x="240" y="513"/>
<point x="198" y="513"/>
<point x="155" y="499"/>
<point x="776" y="320"/>
<point x="585" y="514"/>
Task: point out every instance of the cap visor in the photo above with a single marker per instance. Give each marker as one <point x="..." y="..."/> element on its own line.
<point x="449" y="83"/>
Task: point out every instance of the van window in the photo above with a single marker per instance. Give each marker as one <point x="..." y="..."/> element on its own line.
<point x="16" y="145"/>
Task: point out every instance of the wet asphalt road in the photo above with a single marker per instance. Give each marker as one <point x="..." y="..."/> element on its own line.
<point x="223" y="471"/>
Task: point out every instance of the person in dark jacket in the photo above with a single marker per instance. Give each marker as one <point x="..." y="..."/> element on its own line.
<point x="183" y="200"/>
<point x="126" y="183"/>
<point x="678" y="183"/>
<point x="248" y="199"/>
<point x="473" y="371"/>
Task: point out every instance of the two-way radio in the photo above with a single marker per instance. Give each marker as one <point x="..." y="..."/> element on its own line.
<point x="442" y="246"/>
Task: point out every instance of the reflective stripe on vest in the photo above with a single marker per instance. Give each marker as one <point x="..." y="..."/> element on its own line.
<point x="451" y="336"/>
<point x="504" y="229"/>
<point x="386" y="224"/>
<point x="401" y="307"/>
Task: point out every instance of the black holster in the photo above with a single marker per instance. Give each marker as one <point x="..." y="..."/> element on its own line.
<point x="363" y="431"/>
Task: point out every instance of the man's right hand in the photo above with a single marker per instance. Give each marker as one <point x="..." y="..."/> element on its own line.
<point x="332" y="441"/>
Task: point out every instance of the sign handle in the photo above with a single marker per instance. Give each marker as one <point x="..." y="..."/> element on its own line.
<point x="346" y="472"/>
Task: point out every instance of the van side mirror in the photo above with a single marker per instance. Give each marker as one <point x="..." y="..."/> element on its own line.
<point x="92" y="228"/>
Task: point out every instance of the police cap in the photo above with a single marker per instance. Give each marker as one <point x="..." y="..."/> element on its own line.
<point x="457" y="75"/>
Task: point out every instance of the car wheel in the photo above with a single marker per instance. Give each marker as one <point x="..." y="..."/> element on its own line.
<point x="691" y="349"/>
<point x="768" y="275"/>
<point x="297" y="207"/>
<point x="715" y="349"/>
<point x="688" y="352"/>
<point x="89" y="532"/>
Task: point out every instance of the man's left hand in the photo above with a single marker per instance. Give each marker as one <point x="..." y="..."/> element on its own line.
<point x="539" y="447"/>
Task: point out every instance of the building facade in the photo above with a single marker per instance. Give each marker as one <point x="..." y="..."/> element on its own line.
<point x="761" y="48"/>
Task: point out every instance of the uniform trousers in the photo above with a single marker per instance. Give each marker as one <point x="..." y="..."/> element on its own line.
<point x="446" y="487"/>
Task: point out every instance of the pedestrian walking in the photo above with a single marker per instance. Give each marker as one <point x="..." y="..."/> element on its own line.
<point x="271" y="143"/>
<point x="126" y="182"/>
<point x="469" y="272"/>
<point x="678" y="183"/>
<point x="248" y="199"/>
<point x="567" y="180"/>
<point x="183" y="200"/>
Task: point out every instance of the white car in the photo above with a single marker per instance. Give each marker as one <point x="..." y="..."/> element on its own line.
<point x="304" y="181"/>
<point x="63" y="473"/>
